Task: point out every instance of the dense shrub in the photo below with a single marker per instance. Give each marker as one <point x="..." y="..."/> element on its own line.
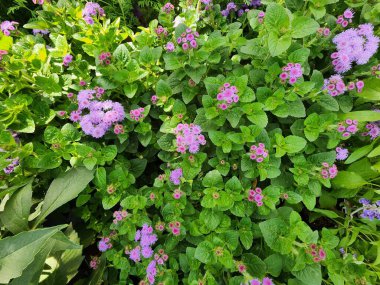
<point x="222" y="144"/>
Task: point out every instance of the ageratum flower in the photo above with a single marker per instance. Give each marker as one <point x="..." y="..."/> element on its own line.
<point x="8" y="26"/>
<point x="334" y="85"/>
<point x="227" y="96"/>
<point x="341" y="153"/>
<point x="91" y="10"/>
<point x="189" y="137"/>
<point x="175" y="176"/>
<point x="291" y="72"/>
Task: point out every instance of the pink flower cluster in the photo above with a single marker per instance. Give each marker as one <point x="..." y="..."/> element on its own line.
<point x="227" y="96"/>
<point x="348" y="127"/>
<point x="316" y="252"/>
<point x="260" y="17"/>
<point x="8" y="26"/>
<point x="258" y="153"/>
<point x="323" y="31"/>
<point x="160" y="226"/>
<point x="154" y="99"/>
<point x="170" y="47"/>
<point x="188" y="39"/>
<point x="175" y="176"/>
<point x="291" y="72"/>
<point x="151" y="270"/>
<point x="167" y="8"/>
<point x="119" y="215"/>
<point x="94" y="262"/>
<point x="177" y="194"/>
<point x="354" y="45"/>
<point x="256" y="196"/>
<point x="334" y="85"/>
<point x="373" y="130"/>
<point x="91" y="10"/>
<point x="161" y="31"/>
<point x="146" y="239"/>
<point x="265" y="281"/>
<point x="328" y="171"/>
<point x="101" y="115"/>
<point x="375" y="70"/>
<point x="137" y="114"/>
<point x="67" y="59"/>
<point x="189" y="137"/>
<point x="105" y="58"/>
<point x="39" y="2"/>
<point x="358" y="85"/>
<point x="104" y="244"/>
<point x="346" y="18"/>
<point x="175" y="228"/>
<point x="341" y="153"/>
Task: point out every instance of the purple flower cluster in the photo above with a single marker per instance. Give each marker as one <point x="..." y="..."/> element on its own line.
<point x="105" y="58"/>
<point x="151" y="270"/>
<point x="354" y="45"/>
<point x="11" y="167"/>
<point x="341" y="153"/>
<point x="334" y="85"/>
<point x="346" y="18"/>
<point x="146" y="239"/>
<point x="137" y="114"/>
<point x="91" y="10"/>
<point x="370" y="210"/>
<point x="260" y="17"/>
<point x="256" y="196"/>
<point x="101" y="114"/>
<point x="40" y="32"/>
<point x="373" y="130"/>
<point x="104" y="244"/>
<point x="291" y="72"/>
<point x="348" y="127"/>
<point x="230" y="7"/>
<point x="94" y="262"/>
<point x="188" y="39"/>
<point x="375" y="70"/>
<point x="328" y="171"/>
<point x="175" y="176"/>
<point x="161" y="31"/>
<point x="265" y="281"/>
<point x="208" y="4"/>
<point x="167" y="8"/>
<point x="258" y="153"/>
<point x="227" y="96"/>
<point x="67" y="59"/>
<point x="8" y="26"/>
<point x="189" y="137"/>
<point x="323" y="32"/>
<point x="244" y="8"/>
<point x="154" y="99"/>
<point x="119" y="215"/>
<point x="170" y="47"/>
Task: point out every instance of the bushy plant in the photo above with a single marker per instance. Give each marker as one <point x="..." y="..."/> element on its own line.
<point x="222" y="144"/>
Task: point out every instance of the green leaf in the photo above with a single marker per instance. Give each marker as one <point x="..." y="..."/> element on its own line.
<point x="210" y="218"/>
<point x="348" y="180"/>
<point x="196" y="73"/>
<point x="276" y="17"/>
<point x="300" y="55"/>
<point x="204" y="252"/>
<point x="275" y="233"/>
<point x="362" y="116"/>
<point x="130" y="90"/>
<point x="171" y="61"/>
<point x="134" y="202"/>
<point x="371" y="89"/>
<point x="274" y="264"/>
<point x="48" y="84"/>
<point x="121" y="54"/>
<point x="358" y="153"/>
<point x="375" y="152"/>
<point x="327" y="213"/>
<point x="246" y="238"/>
<point x="17" y="209"/>
<point x="89" y="162"/>
<point x="294" y="144"/>
<point x="18" y="251"/>
<point x="278" y="45"/>
<point x="234" y="185"/>
<point x="303" y="26"/>
<point x="328" y="102"/>
<point x="163" y="89"/>
<point x="63" y="189"/>
<point x="213" y="179"/>
<point x="310" y="275"/>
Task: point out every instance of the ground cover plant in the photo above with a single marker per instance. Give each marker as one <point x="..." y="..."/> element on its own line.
<point x="232" y="143"/>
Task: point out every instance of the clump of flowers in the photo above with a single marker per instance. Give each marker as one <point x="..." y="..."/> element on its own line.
<point x="375" y="70"/>
<point x="94" y="262"/>
<point x="328" y="171"/>
<point x="227" y="96"/>
<point x="189" y="137"/>
<point x="40" y="32"/>
<point x="161" y="31"/>
<point x="137" y="114"/>
<point x="230" y="7"/>
<point x="177" y="194"/>
<point x="175" y="227"/>
<point x="119" y="216"/>
<point x="348" y="127"/>
<point x="160" y="226"/>
<point x="105" y="58"/>
<point x="168" y="7"/>
<point x="346" y="18"/>
<point x="258" y="153"/>
<point x="154" y="99"/>
<point x="169" y="47"/>
<point x="373" y="130"/>
<point x="265" y="281"/>
<point x="188" y="39"/>
<point x="354" y="46"/>
<point x="175" y="176"/>
<point x="358" y="86"/>
<point x="91" y="10"/>
<point x="260" y="17"/>
<point x="67" y="59"/>
<point x="256" y="196"/>
<point x="291" y="72"/>
<point x="254" y="4"/>
<point x="39" y="2"/>
<point x="341" y="153"/>
<point x="370" y="210"/>
<point x="323" y="31"/>
<point x="11" y="166"/>
<point x="334" y="85"/>
<point x="104" y="244"/>
<point x="317" y="252"/>
<point x="101" y="115"/>
<point x="8" y="26"/>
